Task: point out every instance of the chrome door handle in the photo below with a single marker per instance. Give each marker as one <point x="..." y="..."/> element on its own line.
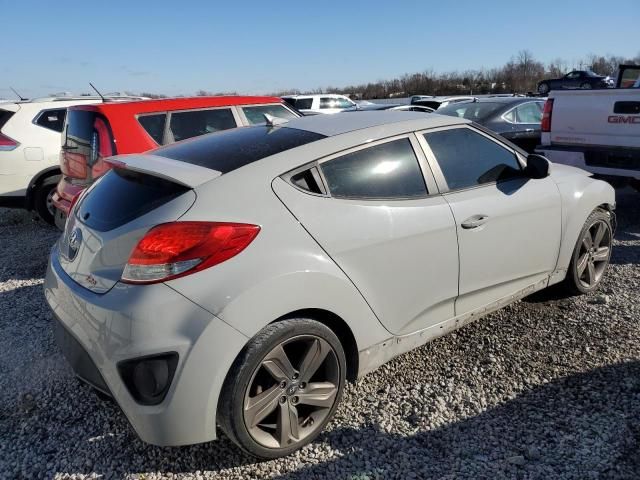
<point x="475" y="221"/>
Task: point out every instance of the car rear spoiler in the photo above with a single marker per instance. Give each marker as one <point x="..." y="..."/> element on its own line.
<point x="176" y="171"/>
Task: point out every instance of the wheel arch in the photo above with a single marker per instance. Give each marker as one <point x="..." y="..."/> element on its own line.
<point x="339" y="327"/>
<point x="578" y="202"/>
<point x="37" y="180"/>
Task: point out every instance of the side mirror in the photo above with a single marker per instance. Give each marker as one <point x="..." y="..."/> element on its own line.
<point x="537" y="166"/>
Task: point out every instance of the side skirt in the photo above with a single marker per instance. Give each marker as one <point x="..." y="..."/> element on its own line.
<point x="380" y="353"/>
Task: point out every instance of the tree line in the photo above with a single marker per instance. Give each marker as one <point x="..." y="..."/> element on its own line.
<point x="520" y="74"/>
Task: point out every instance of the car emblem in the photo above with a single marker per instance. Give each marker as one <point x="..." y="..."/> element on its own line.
<point x="75" y="239"/>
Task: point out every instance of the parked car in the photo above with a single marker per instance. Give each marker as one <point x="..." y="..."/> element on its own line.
<point x="392" y="106"/>
<point x="515" y="118"/>
<point x="30" y="150"/>
<point x="439" y="102"/>
<point x="585" y="79"/>
<point x="598" y="131"/>
<point x="243" y="284"/>
<point x="95" y="132"/>
<point x="322" y="103"/>
<point x="628" y="76"/>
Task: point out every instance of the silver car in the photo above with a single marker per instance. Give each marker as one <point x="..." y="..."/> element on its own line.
<point x="239" y="279"/>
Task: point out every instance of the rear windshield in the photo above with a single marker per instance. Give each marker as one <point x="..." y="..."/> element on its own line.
<point x="232" y="149"/>
<point x="471" y="110"/>
<point x="80" y="128"/>
<point x="122" y="195"/>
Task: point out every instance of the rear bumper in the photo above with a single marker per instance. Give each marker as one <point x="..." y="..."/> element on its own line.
<point x="96" y="332"/>
<point x="606" y="161"/>
<point x="65" y="192"/>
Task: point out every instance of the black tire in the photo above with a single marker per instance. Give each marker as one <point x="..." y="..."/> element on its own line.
<point x="586" y="86"/>
<point x="573" y="283"/>
<point x="543" y="88"/>
<point x="42" y="199"/>
<point x="231" y="414"/>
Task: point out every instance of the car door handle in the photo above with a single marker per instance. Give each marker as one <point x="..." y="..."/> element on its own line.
<point x="475" y="221"/>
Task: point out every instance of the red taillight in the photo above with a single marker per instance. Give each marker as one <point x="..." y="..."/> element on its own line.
<point x="176" y="249"/>
<point x="545" y="125"/>
<point x="7" y="143"/>
<point x="101" y="148"/>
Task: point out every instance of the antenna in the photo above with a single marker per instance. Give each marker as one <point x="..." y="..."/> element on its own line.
<point x="19" y="96"/>
<point x="99" y="94"/>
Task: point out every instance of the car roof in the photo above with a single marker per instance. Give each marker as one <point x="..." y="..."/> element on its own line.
<point x="505" y="100"/>
<point x="331" y="125"/>
<point x="316" y="95"/>
<point x="181" y="103"/>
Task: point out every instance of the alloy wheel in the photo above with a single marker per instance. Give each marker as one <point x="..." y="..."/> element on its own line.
<point x="593" y="257"/>
<point x="292" y="392"/>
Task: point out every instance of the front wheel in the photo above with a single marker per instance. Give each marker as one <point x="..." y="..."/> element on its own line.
<point x="43" y="199"/>
<point x="543" y="88"/>
<point x="591" y="254"/>
<point x="586" y="86"/>
<point x="283" y="388"/>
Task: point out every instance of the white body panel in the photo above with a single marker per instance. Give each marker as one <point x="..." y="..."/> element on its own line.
<point x="589" y="132"/>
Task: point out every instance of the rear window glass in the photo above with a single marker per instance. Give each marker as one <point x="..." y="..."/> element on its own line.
<point x="154" y="125"/>
<point x="390" y="170"/>
<point x="5" y="115"/>
<point x="52" y="119"/>
<point x="121" y="196"/>
<point x="255" y="114"/>
<point x="227" y="151"/>
<point x="200" y="122"/>
<point x="80" y="128"/>
<point x="471" y="110"/>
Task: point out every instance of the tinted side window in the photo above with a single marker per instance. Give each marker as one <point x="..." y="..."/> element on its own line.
<point x="255" y="115"/>
<point x="467" y="158"/>
<point x="200" y="122"/>
<point x="390" y="170"/>
<point x="326" y="102"/>
<point x="304" y="103"/>
<point x="154" y="125"/>
<point x="52" y="119"/>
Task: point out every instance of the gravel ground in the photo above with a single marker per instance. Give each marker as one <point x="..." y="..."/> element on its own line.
<point x="547" y="388"/>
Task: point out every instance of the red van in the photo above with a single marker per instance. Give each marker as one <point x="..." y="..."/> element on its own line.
<point x="94" y="132"/>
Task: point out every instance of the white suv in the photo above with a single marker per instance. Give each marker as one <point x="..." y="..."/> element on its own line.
<point x="323" y="103"/>
<point x="30" y="132"/>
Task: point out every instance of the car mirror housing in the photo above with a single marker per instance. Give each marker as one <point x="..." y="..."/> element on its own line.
<point x="537" y="166"/>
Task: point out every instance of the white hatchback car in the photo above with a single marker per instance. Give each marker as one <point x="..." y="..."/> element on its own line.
<point x="30" y="132"/>
<point x="241" y="277"/>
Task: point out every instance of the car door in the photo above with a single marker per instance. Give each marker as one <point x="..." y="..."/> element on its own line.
<point x="508" y="225"/>
<point x="390" y="232"/>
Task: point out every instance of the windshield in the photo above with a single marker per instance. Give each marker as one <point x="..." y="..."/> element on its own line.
<point x="471" y="111"/>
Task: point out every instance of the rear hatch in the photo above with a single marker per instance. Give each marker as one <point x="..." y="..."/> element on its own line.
<point x="87" y="141"/>
<point x="145" y="190"/>
<point x="115" y="213"/>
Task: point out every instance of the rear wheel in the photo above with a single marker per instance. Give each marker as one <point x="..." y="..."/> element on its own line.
<point x="43" y="199"/>
<point x="283" y="388"/>
<point x="591" y="254"/>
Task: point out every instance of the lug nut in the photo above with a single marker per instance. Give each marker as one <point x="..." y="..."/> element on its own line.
<point x="283" y="384"/>
<point x="302" y="385"/>
<point x="296" y="375"/>
<point x="283" y="399"/>
<point x="294" y="400"/>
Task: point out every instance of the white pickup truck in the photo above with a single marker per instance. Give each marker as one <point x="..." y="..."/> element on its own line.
<point x="596" y="130"/>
